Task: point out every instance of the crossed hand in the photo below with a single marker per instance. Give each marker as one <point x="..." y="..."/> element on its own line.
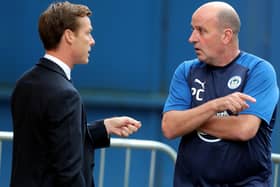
<point x="235" y="102"/>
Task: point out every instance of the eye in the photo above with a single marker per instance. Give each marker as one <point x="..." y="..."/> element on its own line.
<point x="89" y="32"/>
<point x="200" y="30"/>
<point x="192" y="29"/>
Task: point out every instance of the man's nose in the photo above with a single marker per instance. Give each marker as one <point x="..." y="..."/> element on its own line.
<point x="193" y="37"/>
<point x="92" y="42"/>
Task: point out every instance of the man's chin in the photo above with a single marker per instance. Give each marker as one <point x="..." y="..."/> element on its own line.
<point x="85" y="61"/>
<point x="200" y="58"/>
<point x="198" y="55"/>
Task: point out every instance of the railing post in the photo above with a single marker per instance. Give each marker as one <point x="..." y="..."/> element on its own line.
<point x="127" y="167"/>
<point x="276" y="167"/>
<point x="152" y="168"/>
<point x="101" y="168"/>
<point x="0" y="154"/>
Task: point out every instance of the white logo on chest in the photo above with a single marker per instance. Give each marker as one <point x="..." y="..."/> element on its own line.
<point x="197" y="92"/>
<point x="234" y="82"/>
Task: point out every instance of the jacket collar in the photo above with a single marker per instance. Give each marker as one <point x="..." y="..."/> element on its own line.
<point x="46" y="63"/>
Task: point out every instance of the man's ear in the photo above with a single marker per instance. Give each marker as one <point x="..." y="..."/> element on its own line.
<point x="68" y="36"/>
<point x="227" y="36"/>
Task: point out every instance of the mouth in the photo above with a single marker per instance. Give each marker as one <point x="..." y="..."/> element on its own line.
<point x="197" y="50"/>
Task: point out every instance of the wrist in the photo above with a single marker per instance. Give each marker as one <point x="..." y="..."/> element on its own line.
<point x="107" y="124"/>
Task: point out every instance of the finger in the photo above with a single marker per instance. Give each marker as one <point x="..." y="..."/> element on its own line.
<point x="131" y="121"/>
<point x="231" y="103"/>
<point x="235" y="104"/>
<point x="246" y="97"/>
<point x="124" y="133"/>
<point x="136" y="125"/>
<point x="117" y="131"/>
<point x="126" y="130"/>
<point x="239" y="104"/>
<point x="132" y="128"/>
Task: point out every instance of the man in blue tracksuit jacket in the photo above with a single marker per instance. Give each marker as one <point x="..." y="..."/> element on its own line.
<point x="223" y="105"/>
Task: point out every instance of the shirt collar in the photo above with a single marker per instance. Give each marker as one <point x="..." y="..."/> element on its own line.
<point x="61" y="64"/>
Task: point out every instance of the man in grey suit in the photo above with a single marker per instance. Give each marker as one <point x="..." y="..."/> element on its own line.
<point x="53" y="144"/>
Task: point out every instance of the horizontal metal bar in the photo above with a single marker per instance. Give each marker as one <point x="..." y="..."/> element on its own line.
<point x="275" y="157"/>
<point x="144" y="144"/>
<point x="6" y="136"/>
<point x="136" y="143"/>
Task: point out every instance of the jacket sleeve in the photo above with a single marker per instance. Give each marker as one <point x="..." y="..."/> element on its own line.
<point x="98" y="134"/>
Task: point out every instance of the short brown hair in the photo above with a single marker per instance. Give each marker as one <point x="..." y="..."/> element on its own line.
<point x="56" y="19"/>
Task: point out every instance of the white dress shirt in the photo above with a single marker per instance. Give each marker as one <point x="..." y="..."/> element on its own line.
<point x="61" y="64"/>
